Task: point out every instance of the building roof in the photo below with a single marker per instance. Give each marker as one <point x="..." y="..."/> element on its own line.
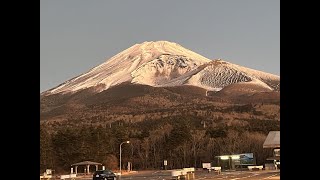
<point x="272" y="140"/>
<point x="86" y="163"/>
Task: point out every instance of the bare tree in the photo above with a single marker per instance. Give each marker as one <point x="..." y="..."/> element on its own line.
<point x="197" y="140"/>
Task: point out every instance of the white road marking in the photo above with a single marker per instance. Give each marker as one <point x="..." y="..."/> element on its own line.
<point x="270" y="176"/>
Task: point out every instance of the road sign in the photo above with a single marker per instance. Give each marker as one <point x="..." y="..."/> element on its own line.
<point x="206" y="165"/>
<point x="48" y="171"/>
<point x="165" y="162"/>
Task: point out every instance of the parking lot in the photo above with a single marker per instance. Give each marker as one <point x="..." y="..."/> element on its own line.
<point x="204" y="175"/>
<point x="236" y="175"/>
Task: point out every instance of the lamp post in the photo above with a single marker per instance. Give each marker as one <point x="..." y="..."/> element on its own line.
<point x="120" y="153"/>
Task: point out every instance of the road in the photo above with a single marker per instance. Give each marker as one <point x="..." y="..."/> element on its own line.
<point x="236" y="175"/>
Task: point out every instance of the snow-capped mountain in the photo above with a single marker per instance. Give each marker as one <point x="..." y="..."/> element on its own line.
<point x="162" y="64"/>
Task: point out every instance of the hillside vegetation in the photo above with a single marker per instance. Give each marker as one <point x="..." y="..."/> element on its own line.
<point x="185" y="125"/>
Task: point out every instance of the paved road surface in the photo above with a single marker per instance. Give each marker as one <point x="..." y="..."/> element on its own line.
<point x="203" y="175"/>
<point x="237" y="175"/>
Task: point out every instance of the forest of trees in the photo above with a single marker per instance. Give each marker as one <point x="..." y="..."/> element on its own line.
<point x="183" y="142"/>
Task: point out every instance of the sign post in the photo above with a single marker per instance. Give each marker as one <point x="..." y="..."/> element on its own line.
<point x="165" y="163"/>
<point x="129" y="166"/>
<point x="206" y="166"/>
<point x="48" y="171"/>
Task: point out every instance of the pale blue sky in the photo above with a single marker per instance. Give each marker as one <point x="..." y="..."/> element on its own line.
<point x="77" y="35"/>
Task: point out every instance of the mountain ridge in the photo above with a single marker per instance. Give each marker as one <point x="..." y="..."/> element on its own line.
<point x="162" y="64"/>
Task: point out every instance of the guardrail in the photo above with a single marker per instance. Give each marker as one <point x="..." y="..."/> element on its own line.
<point x="185" y="173"/>
<point x="68" y="176"/>
<point x="46" y="177"/>
<point x="216" y="169"/>
<point x="255" y="167"/>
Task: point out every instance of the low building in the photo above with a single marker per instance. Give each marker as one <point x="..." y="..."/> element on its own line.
<point x="273" y="141"/>
<point x="235" y="161"/>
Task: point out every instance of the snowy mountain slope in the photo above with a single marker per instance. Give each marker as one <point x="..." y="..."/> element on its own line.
<point x="219" y="74"/>
<point x="163" y="69"/>
<point x="163" y="64"/>
<point x="118" y="69"/>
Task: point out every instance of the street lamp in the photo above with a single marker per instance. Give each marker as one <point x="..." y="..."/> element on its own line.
<point x="120" y="153"/>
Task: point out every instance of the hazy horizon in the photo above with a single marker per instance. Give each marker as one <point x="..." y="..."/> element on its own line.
<point x="77" y="35"/>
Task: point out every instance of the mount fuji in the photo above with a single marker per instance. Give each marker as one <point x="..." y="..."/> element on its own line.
<point x="159" y="79"/>
<point x="166" y="64"/>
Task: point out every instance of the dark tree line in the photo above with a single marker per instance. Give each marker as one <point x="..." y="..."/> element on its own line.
<point x="183" y="142"/>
